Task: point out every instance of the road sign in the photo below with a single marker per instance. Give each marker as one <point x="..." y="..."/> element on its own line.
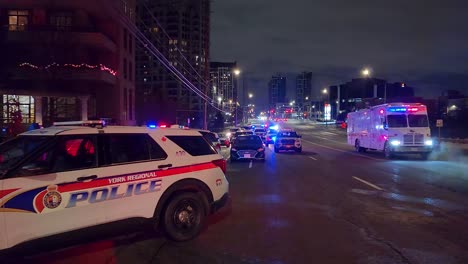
<point x="440" y="123"/>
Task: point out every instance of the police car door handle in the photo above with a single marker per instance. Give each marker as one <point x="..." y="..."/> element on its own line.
<point x="165" y="166"/>
<point x="85" y="178"/>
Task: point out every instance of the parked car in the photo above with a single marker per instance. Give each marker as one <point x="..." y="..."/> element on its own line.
<point x="247" y="147"/>
<point x="64" y="178"/>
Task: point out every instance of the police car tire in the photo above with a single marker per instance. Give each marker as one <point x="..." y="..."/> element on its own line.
<point x="179" y="206"/>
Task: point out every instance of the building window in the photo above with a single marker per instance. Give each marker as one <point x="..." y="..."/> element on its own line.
<point x="125" y="33"/>
<point x="130" y="69"/>
<point x="18" y="106"/>
<point x="125" y="68"/>
<point x="125" y="102"/>
<point x="130" y="104"/>
<point x="17" y="20"/>
<point x="130" y="44"/>
<point x="61" y="20"/>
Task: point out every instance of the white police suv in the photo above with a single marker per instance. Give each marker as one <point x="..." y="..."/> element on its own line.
<point x="288" y="139"/>
<point x="65" y="178"/>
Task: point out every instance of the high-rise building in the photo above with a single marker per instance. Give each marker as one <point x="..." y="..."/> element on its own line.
<point x="303" y="88"/>
<point x="66" y="60"/>
<point x="224" y="84"/>
<point x="277" y="90"/>
<point x="161" y="97"/>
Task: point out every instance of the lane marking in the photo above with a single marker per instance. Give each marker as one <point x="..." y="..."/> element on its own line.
<point x="312" y="158"/>
<point x="368" y="183"/>
<point x="340" y="150"/>
<point x="250" y="164"/>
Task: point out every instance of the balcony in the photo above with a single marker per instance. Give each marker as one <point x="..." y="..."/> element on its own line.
<point x="78" y="75"/>
<point x="71" y="36"/>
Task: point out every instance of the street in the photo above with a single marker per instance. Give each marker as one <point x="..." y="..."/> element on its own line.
<point x="328" y="204"/>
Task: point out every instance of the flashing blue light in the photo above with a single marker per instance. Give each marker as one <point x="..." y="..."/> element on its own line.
<point x="397" y="109"/>
<point x="274" y="127"/>
<point x="152" y="126"/>
<point x="273" y="138"/>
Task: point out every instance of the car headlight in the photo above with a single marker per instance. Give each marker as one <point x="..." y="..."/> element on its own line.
<point x="395" y="143"/>
<point x="228" y="134"/>
<point x="428" y="142"/>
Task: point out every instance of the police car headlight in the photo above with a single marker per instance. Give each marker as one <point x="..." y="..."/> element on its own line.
<point x="395" y="143"/>
<point x="428" y="142"/>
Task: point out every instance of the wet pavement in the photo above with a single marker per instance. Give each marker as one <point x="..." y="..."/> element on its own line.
<point x="328" y="204"/>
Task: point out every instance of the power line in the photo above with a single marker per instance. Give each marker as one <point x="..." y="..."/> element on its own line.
<point x="164" y="61"/>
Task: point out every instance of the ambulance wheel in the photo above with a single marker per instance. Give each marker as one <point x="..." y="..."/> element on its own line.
<point x="184" y="217"/>
<point x="388" y="151"/>
<point x="357" y="146"/>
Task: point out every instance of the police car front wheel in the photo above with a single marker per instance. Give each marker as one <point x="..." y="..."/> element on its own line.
<point x="184" y="217"/>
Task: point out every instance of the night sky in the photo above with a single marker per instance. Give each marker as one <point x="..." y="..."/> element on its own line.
<point x="421" y="42"/>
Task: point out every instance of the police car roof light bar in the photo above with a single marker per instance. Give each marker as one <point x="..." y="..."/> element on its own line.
<point x="88" y="123"/>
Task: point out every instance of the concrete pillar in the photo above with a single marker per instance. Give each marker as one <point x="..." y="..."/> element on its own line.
<point x="38" y="109"/>
<point x="84" y="107"/>
<point x="339" y="100"/>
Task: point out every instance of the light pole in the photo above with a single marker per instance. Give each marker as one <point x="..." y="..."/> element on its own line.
<point x="237" y="73"/>
<point x="325" y="91"/>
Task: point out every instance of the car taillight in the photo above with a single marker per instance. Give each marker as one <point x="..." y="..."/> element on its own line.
<point x="221" y="163"/>
<point x="218" y="146"/>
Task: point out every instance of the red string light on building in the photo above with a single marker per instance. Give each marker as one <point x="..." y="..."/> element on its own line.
<point x="69" y="65"/>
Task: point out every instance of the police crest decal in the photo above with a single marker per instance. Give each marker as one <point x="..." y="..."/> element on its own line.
<point x="52" y="198"/>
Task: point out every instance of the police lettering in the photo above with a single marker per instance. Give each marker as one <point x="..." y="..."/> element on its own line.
<point x="104" y="194"/>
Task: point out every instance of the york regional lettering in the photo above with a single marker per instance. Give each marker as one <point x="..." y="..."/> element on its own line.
<point x="114" y="192"/>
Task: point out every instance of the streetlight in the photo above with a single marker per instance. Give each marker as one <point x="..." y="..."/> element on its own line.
<point x="307" y="98"/>
<point x="219" y="99"/>
<point x="325" y="91"/>
<point x="250" y="95"/>
<point x="365" y="72"/>
<point x="237" y="72"/>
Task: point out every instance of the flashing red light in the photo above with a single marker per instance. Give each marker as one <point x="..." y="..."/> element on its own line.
<point x="163" y="126"/>
<point x="381" y="111"/>
<point x="413" y="109"/>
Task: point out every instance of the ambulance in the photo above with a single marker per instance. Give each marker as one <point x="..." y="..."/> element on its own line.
<point x="395" y="128"/>
<point x="71" y="176"/>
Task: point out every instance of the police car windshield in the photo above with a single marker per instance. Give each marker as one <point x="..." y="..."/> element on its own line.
<point x="15" y="150"/>
<point x="286" y="134"/>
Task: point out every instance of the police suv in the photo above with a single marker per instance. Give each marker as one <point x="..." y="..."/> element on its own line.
<point x="65" y="178"/>
<point x="288" y="139"/>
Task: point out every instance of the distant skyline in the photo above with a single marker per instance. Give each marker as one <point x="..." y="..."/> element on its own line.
<point x="423" y="43"/>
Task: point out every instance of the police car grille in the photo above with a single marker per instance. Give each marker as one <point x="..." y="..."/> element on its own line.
<point x="408" y="139"/>
<point x="287" y="141"/>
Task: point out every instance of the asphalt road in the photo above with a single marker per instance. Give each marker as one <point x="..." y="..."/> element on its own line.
<point x="328" y="204"/>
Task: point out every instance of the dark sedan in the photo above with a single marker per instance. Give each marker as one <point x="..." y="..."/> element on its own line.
<point x="248" y="147"/>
